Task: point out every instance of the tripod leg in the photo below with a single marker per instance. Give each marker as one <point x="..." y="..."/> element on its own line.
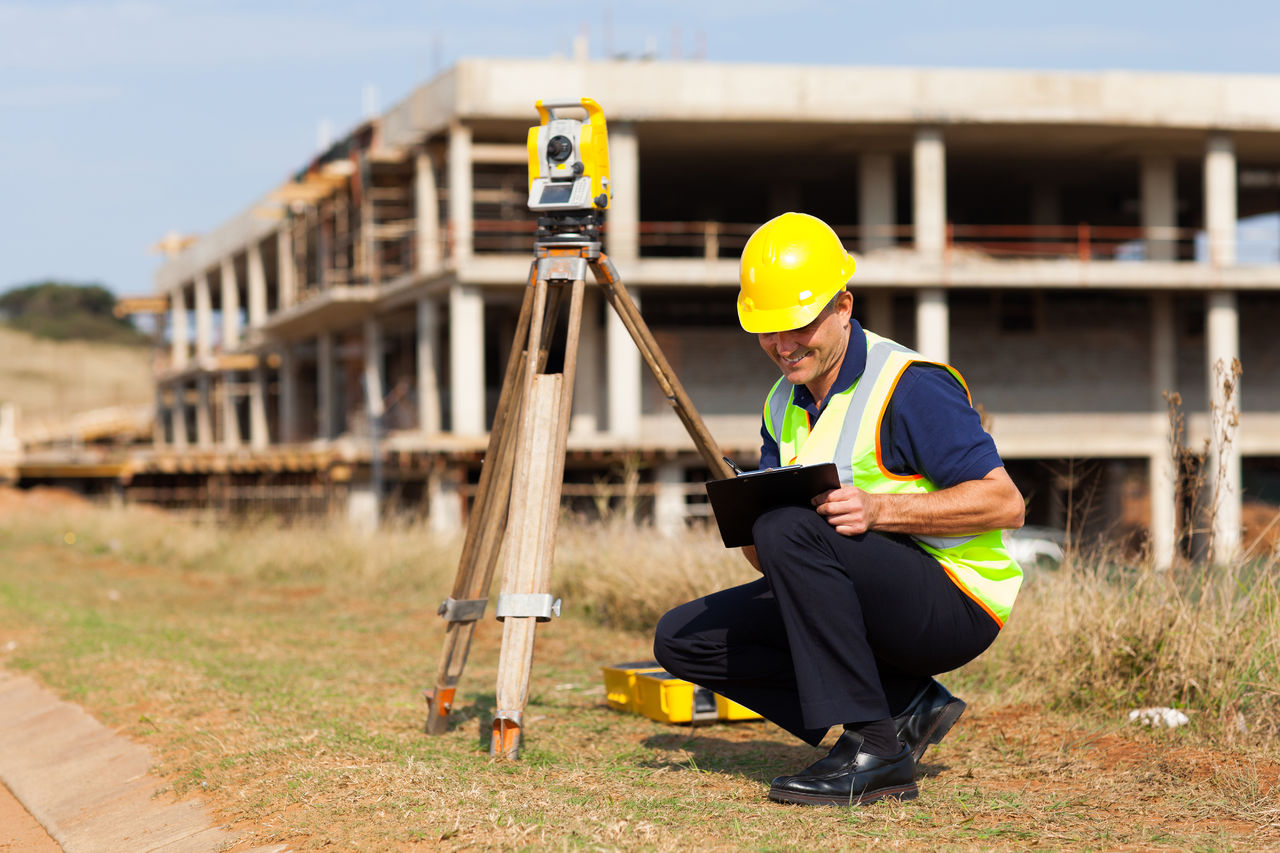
<point x="484" y="526"/>
<point x="607" y="276"/>
<point x="529" y="548"/>
<point x="527" y="558"/>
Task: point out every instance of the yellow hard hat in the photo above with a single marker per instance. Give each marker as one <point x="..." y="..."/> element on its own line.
<point x="791" y="267"/>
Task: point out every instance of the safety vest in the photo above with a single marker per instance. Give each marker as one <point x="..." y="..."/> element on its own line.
<point x="848" y="433"/>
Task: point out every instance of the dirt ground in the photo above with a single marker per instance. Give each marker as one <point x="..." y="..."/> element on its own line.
<point x="19" y="831"/>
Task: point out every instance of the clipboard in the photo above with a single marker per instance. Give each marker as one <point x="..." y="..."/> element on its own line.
<point x="739" y="501"/>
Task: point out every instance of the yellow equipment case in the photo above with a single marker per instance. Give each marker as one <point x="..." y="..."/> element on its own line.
<point x="644" y="687"/>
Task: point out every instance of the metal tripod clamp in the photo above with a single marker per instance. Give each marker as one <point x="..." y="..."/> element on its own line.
<point x="540" y="605"/>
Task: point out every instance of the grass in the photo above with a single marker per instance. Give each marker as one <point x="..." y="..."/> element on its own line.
<point x="277" y="672"/>
<point x="51" y="380"/>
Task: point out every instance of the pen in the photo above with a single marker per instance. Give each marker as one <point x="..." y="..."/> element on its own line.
<point x="736" y="470"/>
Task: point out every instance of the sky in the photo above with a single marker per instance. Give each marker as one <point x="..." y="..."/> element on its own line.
<point x="122" y="120"/>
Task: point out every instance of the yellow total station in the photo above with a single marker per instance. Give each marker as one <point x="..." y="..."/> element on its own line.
<point x="569" y="158"/>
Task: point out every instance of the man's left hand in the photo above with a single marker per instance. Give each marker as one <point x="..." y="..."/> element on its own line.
<point x="848" y="509"/>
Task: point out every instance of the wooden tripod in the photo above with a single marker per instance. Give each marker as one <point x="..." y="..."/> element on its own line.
<point x="517" y="503"/>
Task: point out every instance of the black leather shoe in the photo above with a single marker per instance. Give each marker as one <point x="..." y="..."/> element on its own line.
<point x="849" y="777"/>
<point x="928" y="718"/>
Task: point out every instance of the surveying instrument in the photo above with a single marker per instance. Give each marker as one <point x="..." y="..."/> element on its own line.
<point x="517" y="503"/>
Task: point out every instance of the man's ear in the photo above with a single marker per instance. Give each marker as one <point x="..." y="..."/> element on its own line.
<point x="844" y="304"/>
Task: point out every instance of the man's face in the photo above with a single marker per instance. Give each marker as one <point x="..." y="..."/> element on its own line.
<point x="811" y="355"/>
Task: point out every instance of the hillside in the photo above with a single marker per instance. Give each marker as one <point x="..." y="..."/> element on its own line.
<point x="52" y="380"/>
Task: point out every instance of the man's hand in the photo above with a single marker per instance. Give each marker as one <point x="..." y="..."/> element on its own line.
<point x="848" y="509"/>
<point x="991" y="503"/>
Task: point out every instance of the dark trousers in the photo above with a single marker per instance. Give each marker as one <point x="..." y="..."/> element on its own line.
<point x="841" y="629"/>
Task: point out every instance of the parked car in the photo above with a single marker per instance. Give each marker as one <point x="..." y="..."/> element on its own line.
<point x="1036" y="547"/>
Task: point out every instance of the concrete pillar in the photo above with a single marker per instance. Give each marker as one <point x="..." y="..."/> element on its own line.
<point x="181" y="439"/>
<point x="877" y="205"/>
<point x="585" y="420"/>
<point x="879" y="311"/>
<point x="373" y="384"/>
<point x="668" y="501"/>
<point x="257" y="285"/>
<point x="230" y="420"/>
<point x="288" y="395"/>
<point x="623" y="381"/>
<point x="324" y="385"/>
<point x="259" y="434"/>
<point x="179" y="322"/>
<point x="1220" y="199"/>
<point x="929" y="191"/>
<point x="204" y="413"/>
<point x="1162" y="466"/>
<point x="623" y="239"/>
<point x="466" y="360"/>
<point x="1159" y="207"/>
<point x="162" y="413"/>
<point x="1222" y="345"/>
<point x="444" y="502"/>
<point x="426" y="199"/>
<point x="286" y="272"/>
<point x="230" y="307"/>
<point x="933" y="323"/>
<point x="204" y="319"/>
<point x="461" y="208"/>
<point x="429" y="420"/>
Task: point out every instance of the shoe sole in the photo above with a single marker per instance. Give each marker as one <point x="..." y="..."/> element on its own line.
<point x="899" y="792"/>
<point x="950" y="714"/>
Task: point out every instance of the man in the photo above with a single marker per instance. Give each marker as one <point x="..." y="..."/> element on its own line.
<point x="896" y="576"/>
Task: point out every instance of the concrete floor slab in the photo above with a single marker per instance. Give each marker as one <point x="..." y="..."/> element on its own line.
<point x="89" y="787"/>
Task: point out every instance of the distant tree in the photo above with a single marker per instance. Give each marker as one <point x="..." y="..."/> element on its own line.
<point x="66" y="311"/>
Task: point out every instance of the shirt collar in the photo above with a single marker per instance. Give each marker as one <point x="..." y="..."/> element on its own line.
<point x="855" y="361"/>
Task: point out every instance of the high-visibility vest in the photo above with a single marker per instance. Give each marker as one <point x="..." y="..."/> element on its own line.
<point x="848" y="433"/>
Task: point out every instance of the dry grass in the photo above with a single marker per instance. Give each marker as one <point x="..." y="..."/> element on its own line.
<point x="1097" y="636"/>
<point x="276" y="673"/>
<point x="51" y="380"/>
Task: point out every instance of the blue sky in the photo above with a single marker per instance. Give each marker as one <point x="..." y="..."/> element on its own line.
<point x="123" y="119"/>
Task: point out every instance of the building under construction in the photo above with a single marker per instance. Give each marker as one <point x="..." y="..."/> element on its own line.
<point x="1075" y="243"/>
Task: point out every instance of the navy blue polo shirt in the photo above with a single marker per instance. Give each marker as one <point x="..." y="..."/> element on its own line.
<point x="930" y="427"/>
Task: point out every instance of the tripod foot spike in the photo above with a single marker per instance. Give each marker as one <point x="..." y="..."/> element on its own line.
<point x="505" y="742"/>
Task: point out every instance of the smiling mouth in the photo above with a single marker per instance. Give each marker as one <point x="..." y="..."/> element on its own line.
<point x="794" y="360"/>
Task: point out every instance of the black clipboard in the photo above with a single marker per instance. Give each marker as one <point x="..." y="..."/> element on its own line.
<point x="739" y="501"/>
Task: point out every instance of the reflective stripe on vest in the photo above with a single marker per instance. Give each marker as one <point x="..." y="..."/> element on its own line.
<point x="848" y="433"/>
